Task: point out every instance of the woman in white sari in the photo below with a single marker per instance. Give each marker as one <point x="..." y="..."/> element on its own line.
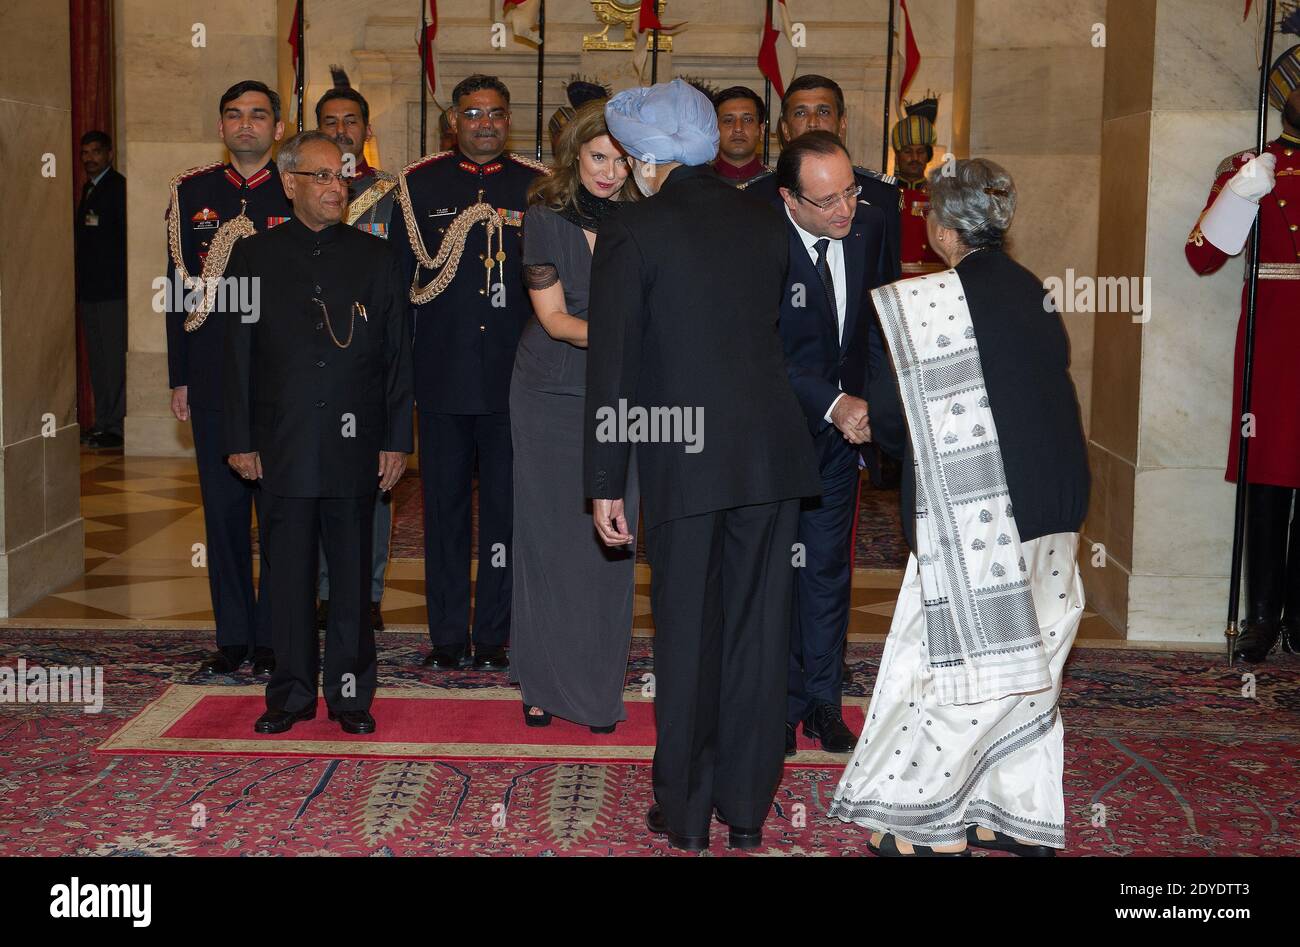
<point x="963" y="744"/>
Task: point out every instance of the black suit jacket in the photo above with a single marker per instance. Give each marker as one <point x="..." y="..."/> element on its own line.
<point x="685" y="294"/>
<point x="318" y="414"/>
<point x="1025" y="356"/>
<point x="820" y="362"/>
<point x="101" y="248"/>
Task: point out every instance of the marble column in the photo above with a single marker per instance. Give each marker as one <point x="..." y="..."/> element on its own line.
<point x="41" y="530"/>
<point x="1180" y="82"/>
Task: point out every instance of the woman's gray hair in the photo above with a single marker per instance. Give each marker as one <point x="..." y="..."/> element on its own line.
<point x="291" y="150"/>
<point x="975" y="197"/>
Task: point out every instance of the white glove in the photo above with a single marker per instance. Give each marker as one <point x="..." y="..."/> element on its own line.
<point x="1254" y="179"/>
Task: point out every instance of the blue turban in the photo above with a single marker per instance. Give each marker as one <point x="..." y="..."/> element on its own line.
<point x="671" y="121"/>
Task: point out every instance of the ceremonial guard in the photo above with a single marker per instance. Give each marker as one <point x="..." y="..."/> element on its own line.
<point x="1267" y="185"/>
<point x="344" y="114"/>
<point x="742" y="125"/>
<point x="460" y="231"/>
<point x="212" y="207"/>
<point x="913" y="141"/>
<point x="579" y="92"/>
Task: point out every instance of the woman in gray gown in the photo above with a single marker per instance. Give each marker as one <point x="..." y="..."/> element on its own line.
<point x="571" y="603"/>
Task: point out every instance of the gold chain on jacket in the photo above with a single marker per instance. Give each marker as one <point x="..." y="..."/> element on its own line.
<point x="447" y="260"/>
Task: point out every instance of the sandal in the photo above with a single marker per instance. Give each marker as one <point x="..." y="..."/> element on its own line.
<point x="888" y="848"/>
<point x="536" y="720"/>
<point x="1005" y="843"/>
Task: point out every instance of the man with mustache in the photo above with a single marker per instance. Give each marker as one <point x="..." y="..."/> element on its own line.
<point x="471" y="309"/>
<point x="742" y="123"/>
<point x="344" y="114"/>
<point x="317" y="403"/>
<point x="208" y="202"/>
<point x="1267" y="186"/>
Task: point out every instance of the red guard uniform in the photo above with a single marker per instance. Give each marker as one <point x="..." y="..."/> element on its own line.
<point x="1274" y="456"/>
<point x="917" y="255"/>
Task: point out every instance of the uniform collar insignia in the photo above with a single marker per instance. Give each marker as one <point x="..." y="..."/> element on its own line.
<point x="257" y="179"/>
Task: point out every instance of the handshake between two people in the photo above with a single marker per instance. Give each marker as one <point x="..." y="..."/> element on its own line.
<point x="851" y="416"/>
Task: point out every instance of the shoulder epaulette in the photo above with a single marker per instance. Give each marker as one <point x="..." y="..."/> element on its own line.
<point x="385" y="176"/>
<point x="761" y="176"/>
<point x="1230" y="163"/>
<point x="879" y="176"/>
<point x="528" y="162"/>
<point x="195" y="172"/>
<point x="421" y="162"/>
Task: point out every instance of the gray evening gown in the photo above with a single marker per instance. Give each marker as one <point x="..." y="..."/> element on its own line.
<point x="571" y="602"/>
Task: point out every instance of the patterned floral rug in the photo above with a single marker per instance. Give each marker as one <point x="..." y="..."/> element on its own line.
<point x="879" y="542"/>
<point x="1166" y="754"/>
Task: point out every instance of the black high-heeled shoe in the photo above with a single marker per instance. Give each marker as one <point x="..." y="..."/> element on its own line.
<point x="609" y="729"/>
<point x="536" y="720"/>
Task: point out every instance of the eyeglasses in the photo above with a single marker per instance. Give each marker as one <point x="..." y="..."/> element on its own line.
<point x="848" y="197"/>
<point x="477" y="115"/>
<point x="324" y="176"/>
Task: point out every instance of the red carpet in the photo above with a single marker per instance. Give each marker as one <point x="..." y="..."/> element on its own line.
<point x="432" y="723"/>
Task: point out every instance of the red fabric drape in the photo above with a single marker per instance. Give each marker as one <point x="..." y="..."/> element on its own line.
<point x="91" y="39"/>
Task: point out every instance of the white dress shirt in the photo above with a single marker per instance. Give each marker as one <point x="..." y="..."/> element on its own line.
<point x="835" y="260"/>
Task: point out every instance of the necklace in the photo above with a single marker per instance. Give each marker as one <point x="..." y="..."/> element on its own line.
<point x="966" y="254"/>
<point x="357" y="309"/>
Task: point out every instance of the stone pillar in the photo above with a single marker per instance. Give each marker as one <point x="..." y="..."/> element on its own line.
<point x="41" y="530"/>
<point x="168" y="115"/>
<point x="1180" y="83"/>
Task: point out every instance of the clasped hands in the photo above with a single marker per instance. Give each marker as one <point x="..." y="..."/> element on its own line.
<point x="851" y="416"/>
<point x="391" y="466"/>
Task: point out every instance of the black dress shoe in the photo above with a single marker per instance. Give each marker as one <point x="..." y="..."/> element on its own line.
<point x="278" y="721"/>
<point x="223" y="661"/>
<point x="1005" y="843"/>
<point x="654" y="821"/>
<point x="826" y="724"/>
<point x="609" y="729"/>
<point x="1258" y="640"/>
<point x="263" y="660"/>
<point x="446" y="657"/>
<point x="90" y="434"/>
<point x="322" y="614"/>
<point x="105" y="441"/>
<point x="376" y="619"/>
<point x="354" y="721"/>
<point x="1291" y="635"/>
<point x="791" y="740"/>
<point x="738" y="837"/>
<point x="491" y="658"/>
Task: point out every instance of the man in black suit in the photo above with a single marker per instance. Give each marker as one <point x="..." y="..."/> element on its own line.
<point x="839" y="252"/>
<point x="318" y="407"/>
<point x="101" y="285"/>
<point x="674" y="333"/>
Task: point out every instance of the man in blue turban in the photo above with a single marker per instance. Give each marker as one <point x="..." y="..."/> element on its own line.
<point x="685" y="294"/>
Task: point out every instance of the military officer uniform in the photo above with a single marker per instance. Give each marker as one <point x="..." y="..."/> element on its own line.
<point x="459" y="226"/>
<point x="373" y="196"/>
<point x="1273" y="462"/>
<point x="203" y="200"/>
<point x="737" y="176"/>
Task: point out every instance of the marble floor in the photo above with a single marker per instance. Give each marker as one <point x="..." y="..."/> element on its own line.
<point x="143" y="518"/>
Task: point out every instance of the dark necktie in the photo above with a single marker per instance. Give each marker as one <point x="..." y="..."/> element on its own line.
<point x="86" y="189"/>
<point x="828" y="283"/>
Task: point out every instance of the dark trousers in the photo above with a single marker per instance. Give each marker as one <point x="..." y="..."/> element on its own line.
<point x="243" y="619"/>
<point x="342" y="526"/>
<point x="105" y="324"/>
<point x="449" y="445"/>
<point x="822" y="587"/>
<point x="1272" y="555"/>
<point x="720" y="588"/>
